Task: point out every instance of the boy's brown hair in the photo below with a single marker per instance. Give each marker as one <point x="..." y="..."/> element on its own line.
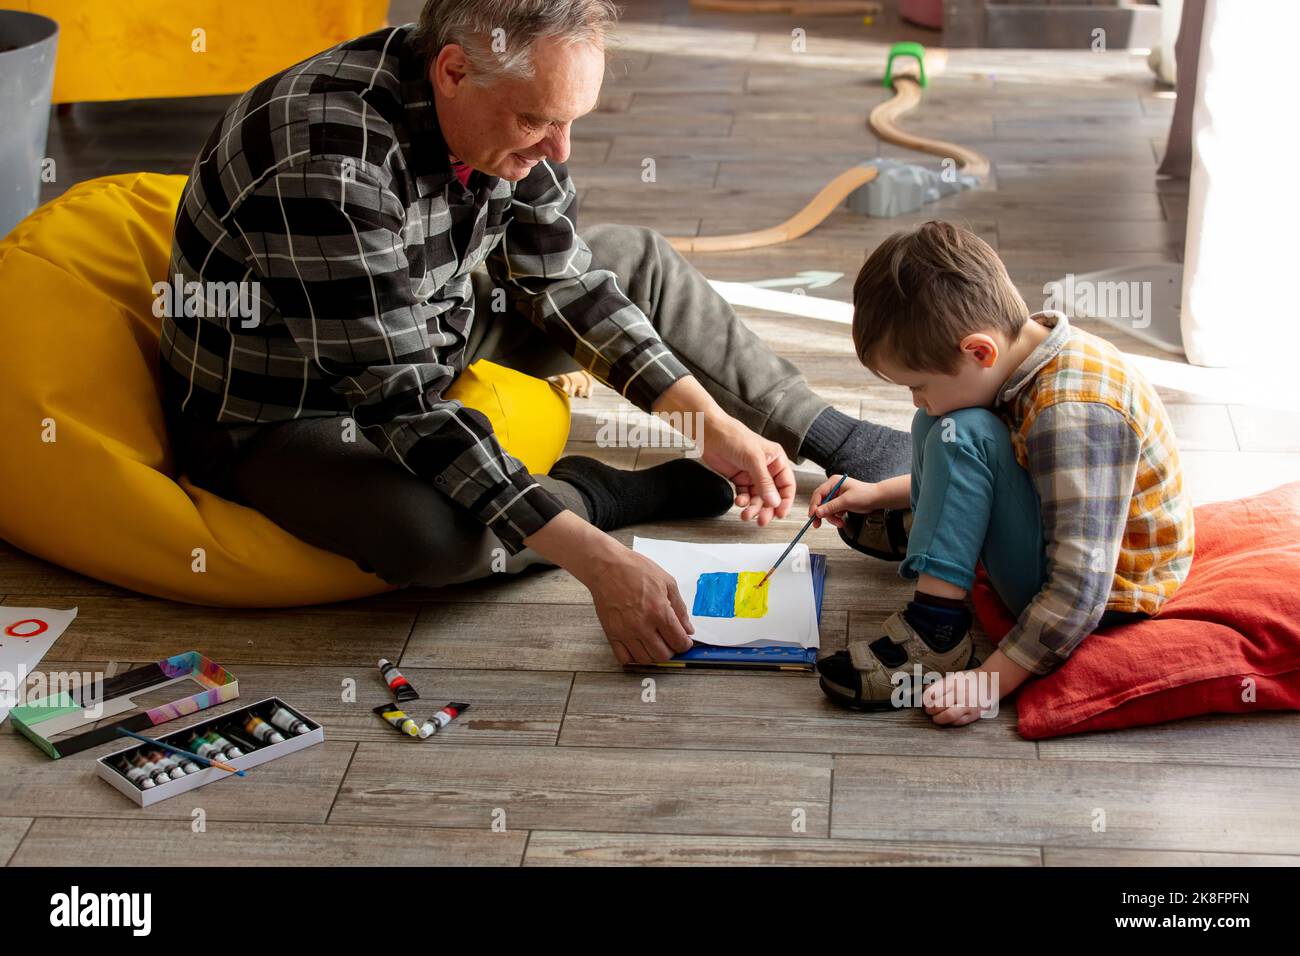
<point x="925" y="289"/>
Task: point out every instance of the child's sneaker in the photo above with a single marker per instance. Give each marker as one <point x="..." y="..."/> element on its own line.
<point x="860" y="678"/>
<point x="881" y="533"/>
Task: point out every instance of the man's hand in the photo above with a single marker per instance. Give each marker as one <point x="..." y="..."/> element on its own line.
<point x="641" y="610"/>
<point x="757" y="467"/>
<point x="639" y="606"/>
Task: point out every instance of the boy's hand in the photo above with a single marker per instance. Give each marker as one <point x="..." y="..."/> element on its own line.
<point x="949" y="704"/>
<point x="949" y="701"/>
<point x="856" y="496"/>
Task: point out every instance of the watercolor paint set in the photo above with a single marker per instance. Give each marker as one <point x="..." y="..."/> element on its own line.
<point x="78" y="711"/>
<point x="239" y="739"/>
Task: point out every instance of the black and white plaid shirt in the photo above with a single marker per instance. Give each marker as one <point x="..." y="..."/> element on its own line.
<point x="330" y="185"/>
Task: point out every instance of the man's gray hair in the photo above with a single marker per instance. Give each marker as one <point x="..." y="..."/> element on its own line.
<point x="498" y="35"/>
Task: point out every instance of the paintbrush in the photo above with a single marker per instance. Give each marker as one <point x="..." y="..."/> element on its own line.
<point x="806" y="525"/>
<point x="181" y="752"/>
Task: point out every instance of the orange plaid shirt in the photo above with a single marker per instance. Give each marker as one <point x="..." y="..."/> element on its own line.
<point x="1096" y="439"/>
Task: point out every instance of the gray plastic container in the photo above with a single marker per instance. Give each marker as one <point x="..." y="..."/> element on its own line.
<point x="900" y="188"/>
<point x="27" y="43"/>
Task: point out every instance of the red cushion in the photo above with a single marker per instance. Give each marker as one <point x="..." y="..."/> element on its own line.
<point x="1234" y="625"/>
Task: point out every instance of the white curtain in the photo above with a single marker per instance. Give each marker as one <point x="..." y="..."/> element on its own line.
<point x="1243" y="221"/>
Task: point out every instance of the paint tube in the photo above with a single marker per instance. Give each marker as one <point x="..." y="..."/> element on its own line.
<point x="399" y="719"/>
<point x="442" y="718"/>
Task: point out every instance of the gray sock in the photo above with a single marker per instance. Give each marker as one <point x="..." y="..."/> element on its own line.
<point x="864" y="450"/>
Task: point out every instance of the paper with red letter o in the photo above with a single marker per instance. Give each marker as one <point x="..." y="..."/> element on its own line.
<point x="26" y="635"/>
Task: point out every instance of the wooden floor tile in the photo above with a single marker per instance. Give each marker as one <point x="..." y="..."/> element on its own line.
<point x="566" y="848"/>
<point x="141" y="629"/>
<point x="782" y="712"/>
<point x="12" y="831"/>
<point x="1071" y="856"/>
<point x="580" y="788"/>
<point x="516" y="708"/>
<point x="297" y="788"/>
<point x="1268" y="739"/>
<point x="1266" y="429"/>
<point x="1059" y="802"/>
<point x="119" y="843"/>
<point x="553" y="637"/>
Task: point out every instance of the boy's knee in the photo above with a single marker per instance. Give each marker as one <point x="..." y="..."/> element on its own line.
<point x="976" y="431"/>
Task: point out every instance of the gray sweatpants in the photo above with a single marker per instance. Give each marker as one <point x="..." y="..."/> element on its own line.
<point x="346" y="497"/>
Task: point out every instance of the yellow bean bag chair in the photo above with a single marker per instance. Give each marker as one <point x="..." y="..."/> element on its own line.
<point x="153" y="48"/>
<point x="86" y="476"/>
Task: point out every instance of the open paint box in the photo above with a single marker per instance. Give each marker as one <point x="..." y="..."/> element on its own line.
<point x="72" y="716"/>
<point x="242" y="738"/>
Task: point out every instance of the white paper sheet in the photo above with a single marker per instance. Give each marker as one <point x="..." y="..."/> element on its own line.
<point x="791" y="618"/>
<point x="23" y="642"/>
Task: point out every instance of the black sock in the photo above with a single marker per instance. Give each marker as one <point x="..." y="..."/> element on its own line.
<point x="941" y="622"/>
<point x="616" y="498"/>
<point x="935" y="601"/>
<point x="864" y="450"/>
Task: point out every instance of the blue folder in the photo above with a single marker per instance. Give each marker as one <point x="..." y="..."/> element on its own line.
<point x="760" y="658"/>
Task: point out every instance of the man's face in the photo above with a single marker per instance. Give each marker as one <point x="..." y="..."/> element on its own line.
<point x="508" y="126"/>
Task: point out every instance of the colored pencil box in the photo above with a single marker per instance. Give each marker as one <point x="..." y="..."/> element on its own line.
<point x="72" y="716"/>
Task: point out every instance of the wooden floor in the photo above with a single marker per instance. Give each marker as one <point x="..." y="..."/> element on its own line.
<point x="560" y="745"/>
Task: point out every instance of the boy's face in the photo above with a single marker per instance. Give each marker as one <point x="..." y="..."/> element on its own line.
<point x="975" y="384"/>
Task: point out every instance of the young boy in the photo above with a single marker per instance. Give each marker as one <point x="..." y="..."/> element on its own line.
<point x="1036" y="450"/>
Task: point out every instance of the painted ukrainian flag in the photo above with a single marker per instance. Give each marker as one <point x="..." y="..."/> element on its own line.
<point x="730" y="594"/>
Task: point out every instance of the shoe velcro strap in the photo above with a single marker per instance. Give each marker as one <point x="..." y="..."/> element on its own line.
<point x="863" y="659"/>
<point x="898" y="630"/>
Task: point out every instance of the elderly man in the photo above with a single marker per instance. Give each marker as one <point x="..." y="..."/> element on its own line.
<point x="379" y="194"/>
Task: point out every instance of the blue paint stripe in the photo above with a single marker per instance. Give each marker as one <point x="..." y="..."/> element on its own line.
<point x="715" y="594"/>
